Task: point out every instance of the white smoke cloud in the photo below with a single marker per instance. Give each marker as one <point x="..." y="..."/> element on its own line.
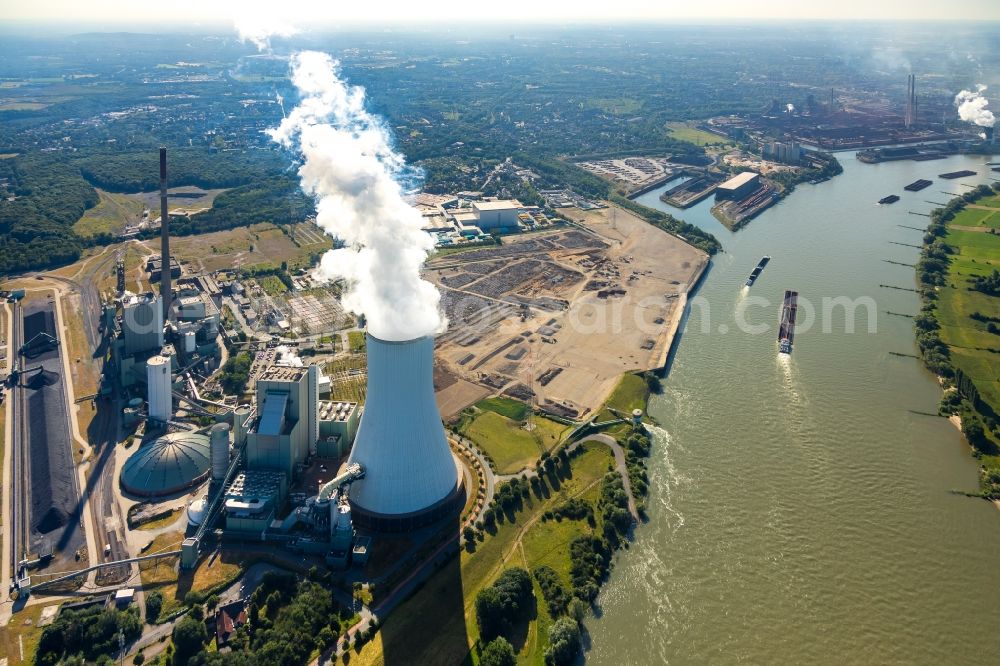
<point x="259" y="29"/>
<point x="351" y="170"/>
<point x="789" y="108"/>
<point x="288" y="357"/>
<point x="972" y="107"/>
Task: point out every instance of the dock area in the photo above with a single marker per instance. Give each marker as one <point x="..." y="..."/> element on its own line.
<point x="691" y="191"/>
<point x="735" y="213"/>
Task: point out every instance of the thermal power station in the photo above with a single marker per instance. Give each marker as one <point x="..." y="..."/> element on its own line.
<point x="411" y="476"/>
<point x="158" y="387"/>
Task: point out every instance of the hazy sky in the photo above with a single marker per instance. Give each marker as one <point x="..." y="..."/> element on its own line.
<point x="456" y="11"/>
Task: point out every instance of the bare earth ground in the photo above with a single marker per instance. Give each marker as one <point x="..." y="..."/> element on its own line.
<point x="181" y="200"/>
<point x="601" y="299"/>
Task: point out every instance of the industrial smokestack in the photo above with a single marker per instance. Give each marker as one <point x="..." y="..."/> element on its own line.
<point x="411" y="477"/>
<point x="910" y="116"/>
<point x="165" y="290"/>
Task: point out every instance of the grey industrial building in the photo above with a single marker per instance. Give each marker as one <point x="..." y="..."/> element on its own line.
<point x="739" y="186"/>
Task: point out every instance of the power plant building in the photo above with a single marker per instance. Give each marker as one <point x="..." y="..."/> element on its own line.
<point x="286" y="429"/>
<point x="338" y="426"/>
<point x="411" y="476"/>
<point x="142" y="323"/>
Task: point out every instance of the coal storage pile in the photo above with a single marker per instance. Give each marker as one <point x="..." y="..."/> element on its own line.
<point x="54" y="501"/>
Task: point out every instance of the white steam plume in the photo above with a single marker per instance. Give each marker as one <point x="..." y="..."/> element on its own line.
<point x="351" y="170"/>
<point x="972" y="107"/>
<point x="259" y="29"/>
<point x="287" y="356"/>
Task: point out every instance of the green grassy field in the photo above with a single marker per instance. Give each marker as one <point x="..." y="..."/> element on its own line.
<point x="969" y="340"/>
<point x="109" y="215"/>
<point x="631" y="393"/>
<point x="429" y="614"/>
<point x="977" y="217"/>
<point x="357" y="341"/>
<point x="690" y="133"/>
<point x="512" y="409"/>
<point x="511" y="446"/>
<point x="272" y="285"/>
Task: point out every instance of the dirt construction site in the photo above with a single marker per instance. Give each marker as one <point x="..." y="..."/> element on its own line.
<point x="556" y="318"/>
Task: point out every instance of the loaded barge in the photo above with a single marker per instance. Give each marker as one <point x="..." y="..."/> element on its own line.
<point x="755" y="273"/>
<point x="786" y="327"/>
<point x="952" y="175"/>
<point x="918" y="185"/>
<point x="892" y="198"/>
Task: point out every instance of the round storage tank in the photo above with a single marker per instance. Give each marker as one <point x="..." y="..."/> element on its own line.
<point x="196" y="511"/>
<point x="220" y="451"/>
<point x="167" y="465"/>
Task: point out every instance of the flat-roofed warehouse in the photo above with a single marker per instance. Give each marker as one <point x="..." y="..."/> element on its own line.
<point x="738" y="186"/>
<point x="496" y="214"/>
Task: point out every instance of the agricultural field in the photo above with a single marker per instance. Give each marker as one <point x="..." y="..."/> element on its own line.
<point x="110" y="215"/>
<point x="308" y="235"/>
<point x="430" y="626"/>
<point x="690" y="133"/>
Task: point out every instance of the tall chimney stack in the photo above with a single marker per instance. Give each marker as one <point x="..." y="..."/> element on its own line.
<point x="910" y="115"/>
<point x="164" y="238"/>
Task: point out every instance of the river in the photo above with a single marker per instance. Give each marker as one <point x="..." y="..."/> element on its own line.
<point x="801" y="511"/>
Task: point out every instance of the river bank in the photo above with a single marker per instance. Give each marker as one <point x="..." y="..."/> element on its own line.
<point x="804" y="511"/>
<point x="957" y="325"/>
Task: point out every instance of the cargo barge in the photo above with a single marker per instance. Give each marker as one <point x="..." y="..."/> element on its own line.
<point x="891" y="199"/>
<point x="755" y="273"/>
<point x="786" y="326"/>
<point x="952" y="175"/>
<point x="918" y="185"/>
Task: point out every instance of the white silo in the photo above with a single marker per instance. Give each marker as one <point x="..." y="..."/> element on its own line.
<point x="158" y="388"/>
<point x="220" y="450"/>
<point x="411" y="477"/>
<point x="240" y="418"/>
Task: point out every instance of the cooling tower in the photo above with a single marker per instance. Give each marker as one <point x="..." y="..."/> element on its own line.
<point x="411" y="477"/>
